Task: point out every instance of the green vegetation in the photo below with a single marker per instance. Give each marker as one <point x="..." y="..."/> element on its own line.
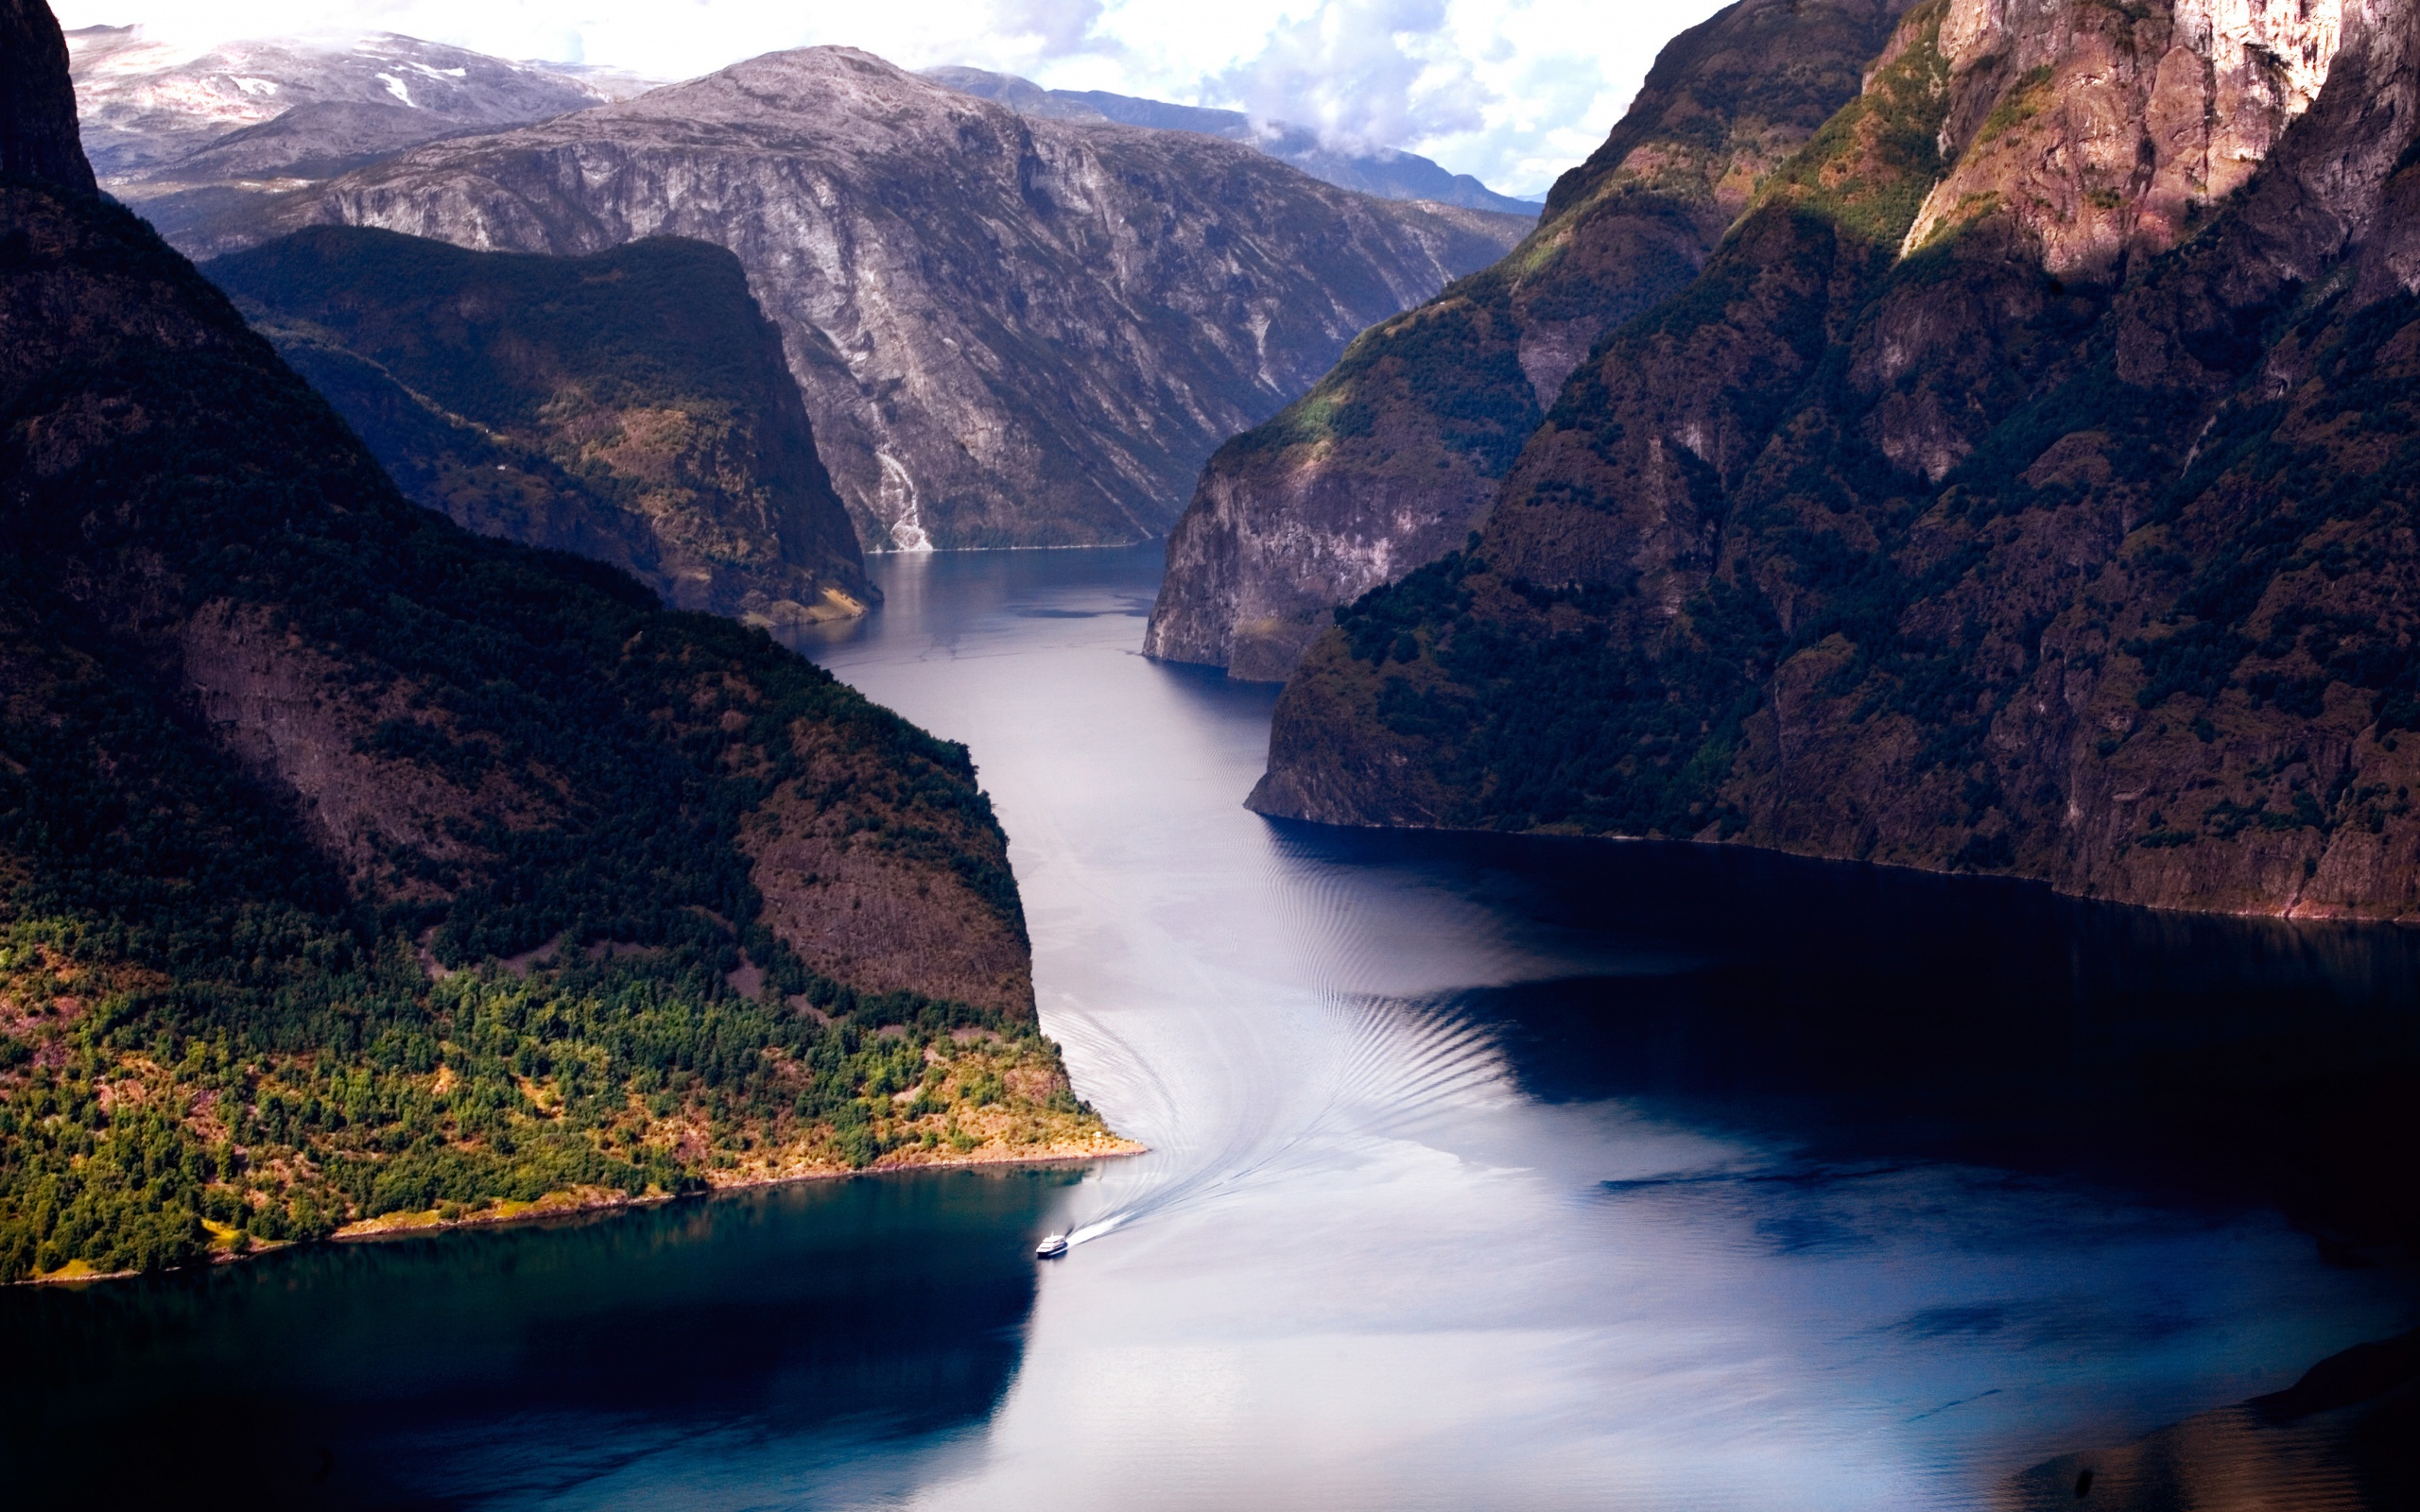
<point x="2023" y="100"/>
<point x="1560" y="707"/>
<point x="1457" y="357"/>
<point x="1549" y="714"/>
<point x="135" y="1137"/>
<point x="1877" y="616"/>
<point x="632" y="405"/>
<point x="498" y="336"/>
<point x="1870" y="166"/>
<point x="216" y="1031"/>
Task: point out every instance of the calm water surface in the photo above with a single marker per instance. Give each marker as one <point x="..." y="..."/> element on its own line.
<point x="1484" y="1174"/>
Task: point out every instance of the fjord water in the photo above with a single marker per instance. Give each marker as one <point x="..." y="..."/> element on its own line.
<point x="1484" y="1173"/>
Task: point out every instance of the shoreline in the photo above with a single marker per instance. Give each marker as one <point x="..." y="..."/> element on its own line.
<point x="2407" y="920"/>
<point x="568" y="1204"/>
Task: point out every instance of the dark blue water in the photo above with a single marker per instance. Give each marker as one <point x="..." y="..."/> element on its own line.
<point x="1485" y="1173"/>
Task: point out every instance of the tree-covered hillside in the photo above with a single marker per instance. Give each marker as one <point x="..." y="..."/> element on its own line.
<point x="357" y="865"/>
<point x="633" y="406"/>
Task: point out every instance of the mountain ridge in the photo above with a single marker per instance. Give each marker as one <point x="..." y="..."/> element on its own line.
<point x="1390" y="172"/>
<point x="1009" y="332"/>
<point x="1934" y="555"/>
<point x="359" y="870"/>
<point x="194" y="136"/>
<point x="1392" y="457"/>
<point x="634" y="406"/>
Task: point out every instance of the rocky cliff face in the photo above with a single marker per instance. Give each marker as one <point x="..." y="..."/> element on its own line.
<point x="353" y="865"/>
<point x="144" y="105"/>
<point x="1009" y="331"/>
<point x="1394" y="454"/>
<point x="1389" y="173"/>
<point x="633" y="406"/>
<point x="2024" y="508"/>
<point x="37" y="104"/>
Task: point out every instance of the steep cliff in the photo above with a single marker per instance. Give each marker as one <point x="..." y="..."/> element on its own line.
<point x="633" y="406"/>
<point x="354" y="866"/>
<point x="1009" y="332"/>
<point x="1393" y="456"/>
<point x="2025" y="486"/>
<point x="37" y="102"/>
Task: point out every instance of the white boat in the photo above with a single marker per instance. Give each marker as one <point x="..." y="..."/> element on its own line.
<point x="1051" y="1248"/>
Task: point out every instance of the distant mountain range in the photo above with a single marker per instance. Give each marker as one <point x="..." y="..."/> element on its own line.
<point x="1010" y="331"/>
<point x="184" y="134"/>
<point x="1386" y="172"/>
<point x="1010" y="326"/>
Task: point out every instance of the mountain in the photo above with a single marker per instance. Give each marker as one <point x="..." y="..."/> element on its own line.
<point x="190" y="136"/>
<point x="631" y="405"/>
<point x="2025" y="486"/>
<point x="1392" y="457"/>
<point x="1387" y="172"/>
<point x="38" y="103"/>
<point x="1009" y="332"/>
<point x="357" y="869"/>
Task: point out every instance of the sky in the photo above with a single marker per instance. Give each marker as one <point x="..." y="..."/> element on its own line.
<point x="1513" y="90"/>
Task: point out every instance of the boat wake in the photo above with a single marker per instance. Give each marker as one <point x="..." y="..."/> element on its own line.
<point x="1356" y="1069"/>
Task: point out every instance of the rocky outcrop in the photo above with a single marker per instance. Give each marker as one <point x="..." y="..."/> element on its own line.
<point x="2105" y="138"/>
<point x="632" y="405"/>
<point x="1395" y="454"/>
<point x="2343" y="1435"/>
<point x="37" y="103"/>
<point x="1387" y="172"/>
<point x="2055" y="522"/>
<point x="1010" y="331"/>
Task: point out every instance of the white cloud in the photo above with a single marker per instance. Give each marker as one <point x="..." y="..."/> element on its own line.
<point x="1514" y="91"/>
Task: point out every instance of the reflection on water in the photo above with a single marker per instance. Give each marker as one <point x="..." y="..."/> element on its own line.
<point x="535" y="1365"/>
<point x="1484" y="1173"/>
<point x="1866" y="1012"/>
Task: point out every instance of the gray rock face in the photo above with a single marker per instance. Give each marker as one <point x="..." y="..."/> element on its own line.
<point x="190" y="139"/>
<point x="145" y="106"/>
<point x="1010" y="331"/>
<point x="1387" y="172"/>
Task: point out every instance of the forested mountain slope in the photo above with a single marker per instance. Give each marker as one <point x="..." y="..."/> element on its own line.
<point x="2026" y="485"/>
<point x="1009" y="332"/>
<point x="631" y="405"/>
<point x="288" y="764"/>
<point x="1392" y="455"/>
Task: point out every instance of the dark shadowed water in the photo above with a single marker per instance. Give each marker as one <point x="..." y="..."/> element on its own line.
<point x="1484" y="1174"/>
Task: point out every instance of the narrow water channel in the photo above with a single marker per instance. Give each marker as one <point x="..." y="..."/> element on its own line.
<point x="1483" y="1173"/>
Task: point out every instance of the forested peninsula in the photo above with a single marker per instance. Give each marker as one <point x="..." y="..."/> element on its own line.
<point x="356" y="868"/>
